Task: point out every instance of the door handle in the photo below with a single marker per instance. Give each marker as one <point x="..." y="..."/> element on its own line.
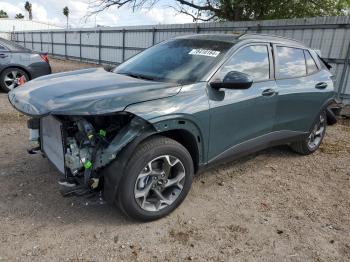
<point x="269" y="92"/>
<point x="3" y="55"/>
<point x="321" y="85"/>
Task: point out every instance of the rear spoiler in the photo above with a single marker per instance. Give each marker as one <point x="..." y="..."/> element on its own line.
<point x="318" y="52"/>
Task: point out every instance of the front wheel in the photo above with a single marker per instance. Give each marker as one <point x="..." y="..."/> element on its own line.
<point x="314" y="139"/>
<point x="156" y="179"/>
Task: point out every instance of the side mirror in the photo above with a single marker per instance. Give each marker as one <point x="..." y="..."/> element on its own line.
<point x="234" y="80"/>
<point x="109" y="68"/>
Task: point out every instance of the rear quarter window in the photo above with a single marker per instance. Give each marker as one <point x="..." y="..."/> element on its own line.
<point x="291" y="62"/>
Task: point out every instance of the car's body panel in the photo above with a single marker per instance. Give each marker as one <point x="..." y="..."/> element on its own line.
<point x="257" y="143"/>
<point x="239" y="115"/>
<point x="38" y="68"/>
<point x="299" y="102"/>
<point x="188" y="110"/>
<point x="86" y="92"/>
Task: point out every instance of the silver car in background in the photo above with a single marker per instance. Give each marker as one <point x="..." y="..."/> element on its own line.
<point x="20" y="64"/>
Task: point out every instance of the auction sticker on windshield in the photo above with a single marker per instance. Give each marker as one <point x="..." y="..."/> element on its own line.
<point x="205" y="52"/>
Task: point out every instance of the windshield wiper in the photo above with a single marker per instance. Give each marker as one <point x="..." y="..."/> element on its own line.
<point x="139" y="76"/>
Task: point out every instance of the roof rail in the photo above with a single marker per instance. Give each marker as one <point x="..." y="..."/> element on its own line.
<point x="267" y="35"/>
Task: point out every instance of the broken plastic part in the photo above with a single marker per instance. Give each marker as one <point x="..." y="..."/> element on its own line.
<point x="94" y="183"/>
<point x="102" y="133"/>
<point x="128" y="133"/>
<point x="87" y="165"/>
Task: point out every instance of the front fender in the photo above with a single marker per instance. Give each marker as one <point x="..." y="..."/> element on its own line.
<point x="188" y="110"/>
<point x="181" y="122"/>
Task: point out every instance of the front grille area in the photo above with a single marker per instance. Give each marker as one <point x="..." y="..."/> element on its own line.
<point x="51" y="141"/>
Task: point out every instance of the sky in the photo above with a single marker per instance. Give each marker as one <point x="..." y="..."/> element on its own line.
<point x="51" y="11"/>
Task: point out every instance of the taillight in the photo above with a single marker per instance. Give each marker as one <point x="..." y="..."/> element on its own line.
<point x="45" y="57"/>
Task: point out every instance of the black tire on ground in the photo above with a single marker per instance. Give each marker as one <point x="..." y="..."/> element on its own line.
<point x="302" y="147"/>
<point x="7" y="71"/>
<point x="331" y="118"/>
<point x="144" y="153"/>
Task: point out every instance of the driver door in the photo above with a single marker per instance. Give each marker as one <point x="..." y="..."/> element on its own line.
<point x="241" y="118"/>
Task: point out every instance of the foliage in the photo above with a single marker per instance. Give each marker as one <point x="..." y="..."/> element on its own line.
<point x="234" y="10"/>
<point x="66" y="13"/>
<point x="28" y="8"/>
<point x="19" y="16"/>
<point x="3" y="14"/>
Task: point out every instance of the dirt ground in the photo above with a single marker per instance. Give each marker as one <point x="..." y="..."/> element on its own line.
<point x="271" y="206"/>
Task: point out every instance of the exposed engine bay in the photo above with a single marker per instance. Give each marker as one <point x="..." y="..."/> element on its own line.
<point x="79" y="146"/>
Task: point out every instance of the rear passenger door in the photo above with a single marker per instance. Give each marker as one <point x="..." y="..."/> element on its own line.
<point x="299" y="99"/>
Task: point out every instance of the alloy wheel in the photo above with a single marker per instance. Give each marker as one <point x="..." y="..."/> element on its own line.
<point x="160" y="183"/>
<point x="317" y="133"/>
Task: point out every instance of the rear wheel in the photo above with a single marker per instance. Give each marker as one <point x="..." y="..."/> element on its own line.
<point x="156" y="179"/>
<point x="314" y="140"/>
<point x="9" y="78"/>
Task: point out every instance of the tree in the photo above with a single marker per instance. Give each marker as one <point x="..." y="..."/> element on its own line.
<point x="66" y="13"/>
<point x="234" y="10"/>
<point x="3" y="14"/>
<point x="19" y="16"/>
<point x="28" y="8"/>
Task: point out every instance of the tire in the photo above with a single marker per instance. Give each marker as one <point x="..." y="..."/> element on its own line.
<point x="306" y="147"/>
<point x="15" y="73"/>
<point x="154" y="151"/>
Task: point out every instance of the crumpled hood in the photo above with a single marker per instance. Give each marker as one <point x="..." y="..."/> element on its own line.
<point x="86" y="92"/>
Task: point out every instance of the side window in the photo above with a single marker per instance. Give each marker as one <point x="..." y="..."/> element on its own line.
<point x="252" y="60"/>
<point x="311" y="66"/>
<point x="291" y="62"/>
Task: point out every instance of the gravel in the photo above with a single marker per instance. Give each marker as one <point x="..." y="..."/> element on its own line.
<point x="271" y="206"/>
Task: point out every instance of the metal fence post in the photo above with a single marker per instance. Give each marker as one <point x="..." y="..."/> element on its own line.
<point x="123" y="46"/>
<point x="52" y="43"/>
<point x="32" y="41"/>
<point x="80" y="46"/>
<point x="342" y="83"/>
<point x="24" y="38"/>
<point x="99" y="46"/>
<point x="198" y="29"/>
<point x="154" y="36"/>
<point x="41" y="41"/>
<point x="65" y="44"/>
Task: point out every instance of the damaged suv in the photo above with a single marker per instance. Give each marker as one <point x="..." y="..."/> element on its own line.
<point x="140" y="132"/>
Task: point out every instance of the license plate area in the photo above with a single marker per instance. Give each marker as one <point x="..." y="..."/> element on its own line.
<point x="51" y="141"/>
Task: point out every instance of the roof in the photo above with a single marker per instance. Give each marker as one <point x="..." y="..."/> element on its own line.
<point x="270" y="38"/>
<point x="234" y="38"/>
<point x="9" y="25"/>
<point x="231" y="38"/>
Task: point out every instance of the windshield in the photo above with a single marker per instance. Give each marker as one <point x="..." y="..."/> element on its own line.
<point x="179" y="60"/>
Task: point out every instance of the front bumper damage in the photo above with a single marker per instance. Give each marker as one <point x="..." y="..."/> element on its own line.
<point x="80" y="147"/>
